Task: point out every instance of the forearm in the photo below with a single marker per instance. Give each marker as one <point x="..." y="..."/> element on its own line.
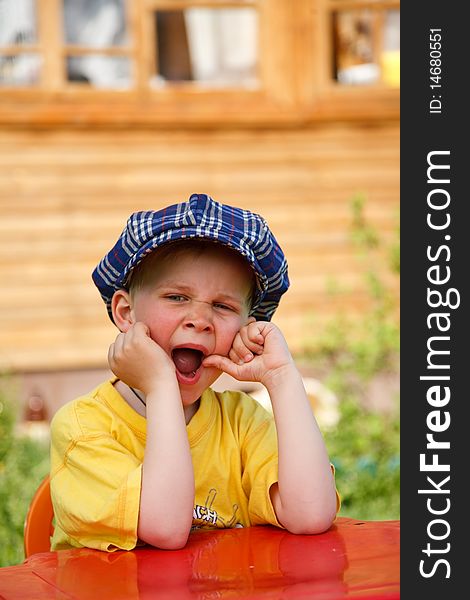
<point x="167" y="496"/>
<point x="305" y="499"/>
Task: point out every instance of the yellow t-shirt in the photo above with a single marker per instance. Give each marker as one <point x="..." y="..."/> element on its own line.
<point x="97" y="450"/>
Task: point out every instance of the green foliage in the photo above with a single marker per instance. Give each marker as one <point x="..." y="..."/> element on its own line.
<point x="364" y="447"/>
<point x="362" y="233"/>
<point x="349" y="355"/>
<point x="23" y="464"/>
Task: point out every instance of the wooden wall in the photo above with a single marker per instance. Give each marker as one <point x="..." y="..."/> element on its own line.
<point x="65" y="196"/>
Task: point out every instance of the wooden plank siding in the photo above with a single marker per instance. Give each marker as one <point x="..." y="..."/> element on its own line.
<point x="65" y="195"/>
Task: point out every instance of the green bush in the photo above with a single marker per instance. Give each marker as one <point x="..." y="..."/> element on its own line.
<point x="364" y="447"/>
<point x="348" y="356"/>
<point x="23" y="464"/>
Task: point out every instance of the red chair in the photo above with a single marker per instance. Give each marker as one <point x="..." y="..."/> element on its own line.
<point x="38" y="526"/>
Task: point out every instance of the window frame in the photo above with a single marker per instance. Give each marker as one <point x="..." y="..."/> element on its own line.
<point x="321" y="97"/>
<point x="294" y="54"/>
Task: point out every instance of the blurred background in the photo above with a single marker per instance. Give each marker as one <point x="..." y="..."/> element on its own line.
<point x="289" y="108"/>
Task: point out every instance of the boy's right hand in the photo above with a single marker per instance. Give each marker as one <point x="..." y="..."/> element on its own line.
<point x="138" y="360"/>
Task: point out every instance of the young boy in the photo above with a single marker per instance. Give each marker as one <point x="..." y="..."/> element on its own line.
<point x="155" y="452"/>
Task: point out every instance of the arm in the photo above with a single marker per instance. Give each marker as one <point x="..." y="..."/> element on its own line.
<point x="167" y="496"/>
<point x="304" y="498"/>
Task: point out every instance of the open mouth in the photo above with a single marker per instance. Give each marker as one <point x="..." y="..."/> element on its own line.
<point x="187" y="361"/>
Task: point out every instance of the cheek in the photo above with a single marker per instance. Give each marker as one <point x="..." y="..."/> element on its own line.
<point x="160" y="328"/>
<point x="226" y="337"/>
<point x="152" y="313"/>
<point x="160" y="331"/>
<point x="142" y="311"/>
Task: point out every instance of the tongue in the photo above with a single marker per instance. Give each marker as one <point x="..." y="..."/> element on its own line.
<point x="187" y="360"/>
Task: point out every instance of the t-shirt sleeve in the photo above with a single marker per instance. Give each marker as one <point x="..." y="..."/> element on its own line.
<point x="95" y="487"/>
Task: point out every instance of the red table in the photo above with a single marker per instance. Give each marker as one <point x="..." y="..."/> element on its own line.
<point x="354" y="559"/>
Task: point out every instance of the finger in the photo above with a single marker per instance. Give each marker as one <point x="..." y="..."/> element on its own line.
<point x="254" y="331"/>
<point x="111" y="353"/>
<point x="239" y="360"/>
<point x="239" y="352"/>
<point x="251" y="341"/>
<point x="139" y="328"/>
<point x="223" y="364"/>
<point x="112" y="362"/>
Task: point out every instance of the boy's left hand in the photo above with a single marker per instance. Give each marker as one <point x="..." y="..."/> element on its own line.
<point x="259" y="351"/>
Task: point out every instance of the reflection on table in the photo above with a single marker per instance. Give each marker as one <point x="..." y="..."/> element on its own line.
<point x="354" y="559"/>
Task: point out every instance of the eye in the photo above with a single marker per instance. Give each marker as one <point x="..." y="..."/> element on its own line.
<point x="176" y="298"/>
<point x="223" y="306"/>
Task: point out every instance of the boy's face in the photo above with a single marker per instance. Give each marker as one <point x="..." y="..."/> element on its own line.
<point x="194" y="307"/>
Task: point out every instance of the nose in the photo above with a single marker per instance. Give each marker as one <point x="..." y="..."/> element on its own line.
<point x="199" y="316"/>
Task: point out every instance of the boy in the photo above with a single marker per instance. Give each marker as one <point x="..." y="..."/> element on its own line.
<point x="154" y="452"/>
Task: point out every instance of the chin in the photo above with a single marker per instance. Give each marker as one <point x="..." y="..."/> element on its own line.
<point x="191" y="393"/>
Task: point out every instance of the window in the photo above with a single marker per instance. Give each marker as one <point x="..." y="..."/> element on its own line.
<point x="366" y="44"/>
<point x="342" y="48"/>
<point x="20" y="61"/>
<point x="100" y="43"/>
<point x="197" y="61"/>
<point x="212" y="47"/>
<point x="96" y="43"/>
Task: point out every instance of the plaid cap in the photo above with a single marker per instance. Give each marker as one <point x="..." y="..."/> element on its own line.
<point x="199" y="218"/>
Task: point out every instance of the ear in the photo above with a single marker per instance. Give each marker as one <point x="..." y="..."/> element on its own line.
<point x="121" y="306"/>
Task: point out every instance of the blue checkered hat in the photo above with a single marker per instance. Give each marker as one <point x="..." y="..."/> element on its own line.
<point x="199" y="218"/>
